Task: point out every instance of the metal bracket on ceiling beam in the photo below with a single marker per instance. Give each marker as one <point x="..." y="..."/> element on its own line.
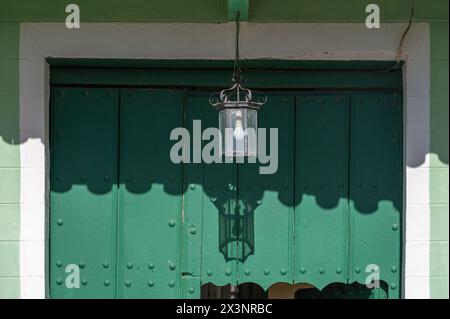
<point x="235" y="6"/>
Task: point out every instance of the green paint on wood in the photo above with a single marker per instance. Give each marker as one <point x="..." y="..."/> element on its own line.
<point x="150" y="188"/>
<point x="130" y="247"/>
<point x="84" y="191"/>
<point x="285" y="79"/>
<point x="376" y="166"/>
<point x="248" y="64"/>
<point x="344" y="10"/>
<point x="117" y="10"/>
<point x="238" y="6"/>
<point x="321" y="189"/>
<point x="210" y="206"/>
<point x="266" y="202"/>
<point x="9" y="160"/>
<point x="439" y="160"/>
<point x="216" y="11"/>
<point x="163" y="230"/>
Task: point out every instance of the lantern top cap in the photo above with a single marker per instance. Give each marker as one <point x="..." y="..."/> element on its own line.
<point x="236" y="97"/>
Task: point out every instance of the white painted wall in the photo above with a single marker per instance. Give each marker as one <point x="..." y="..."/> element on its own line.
<point x="216" y="41"/>
<point x="299" y="41"/>
<point x="34" y="101"/>
<point x="417" y="98"/>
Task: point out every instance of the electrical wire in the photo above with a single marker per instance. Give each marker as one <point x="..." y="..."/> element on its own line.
<point x="402" y="40"/>
<point x="236" y="66"/>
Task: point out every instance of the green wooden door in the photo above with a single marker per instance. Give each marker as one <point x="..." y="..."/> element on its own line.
<point x="83" y="219"/>
<point x="116" y="196"/>
<point x="140" y="226"/>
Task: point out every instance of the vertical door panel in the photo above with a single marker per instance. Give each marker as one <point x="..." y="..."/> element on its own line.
<point x="84" y="191"/>
<point x="321" y="189"/>
<point x="265" y="225"/>
<point x="209" y="205"/>
<point x="376" y="187"/>
<point x="150" y="195"/>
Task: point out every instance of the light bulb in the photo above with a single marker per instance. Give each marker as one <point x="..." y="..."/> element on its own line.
<point x="238" y="132"/>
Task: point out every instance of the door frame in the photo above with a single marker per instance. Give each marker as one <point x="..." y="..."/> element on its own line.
<point x="100" y="40"/>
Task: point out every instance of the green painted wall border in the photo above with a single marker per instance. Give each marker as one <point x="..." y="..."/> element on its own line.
<point x="346" y="10"/>
<point x="217" y="10"/>
<point x="117" y="10"/>
<point x="439" y="160"/>
<point x="9" y="161"/>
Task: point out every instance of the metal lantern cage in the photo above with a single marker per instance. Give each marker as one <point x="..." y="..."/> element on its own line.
<point x="238" y="113"/>
<point x="238" y="120"/>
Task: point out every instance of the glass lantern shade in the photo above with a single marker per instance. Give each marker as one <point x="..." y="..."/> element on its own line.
<point x="238" y="128"/>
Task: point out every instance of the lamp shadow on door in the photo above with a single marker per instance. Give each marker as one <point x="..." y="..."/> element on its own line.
<point x="236" y="228"/>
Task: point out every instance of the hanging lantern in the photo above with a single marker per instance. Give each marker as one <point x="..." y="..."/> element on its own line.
<point x="238" y="113"/>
